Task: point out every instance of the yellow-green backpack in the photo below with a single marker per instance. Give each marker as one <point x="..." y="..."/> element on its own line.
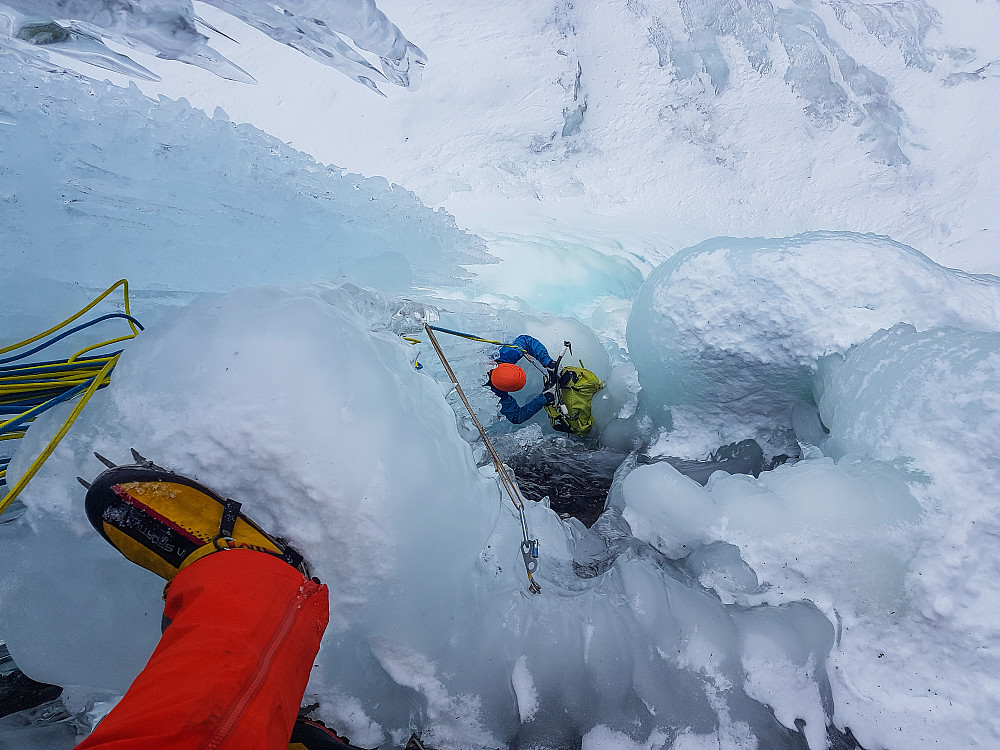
<point x="577" y="387"/>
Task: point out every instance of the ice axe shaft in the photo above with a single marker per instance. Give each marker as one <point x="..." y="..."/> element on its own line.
<point x="567" y="347"/>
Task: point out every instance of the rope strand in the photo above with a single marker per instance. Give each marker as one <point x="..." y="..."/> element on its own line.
<point x="32" y="388"/>
<point x="505" y="478"/>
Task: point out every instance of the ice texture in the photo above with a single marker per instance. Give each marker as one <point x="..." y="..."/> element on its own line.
<point x="885" y="523"/>
<point x="169" y="29"/>
<point x="315" y="27"/>
<point x="928" y="400"/>
<point x="305" y="404"/>
<point x="87" y="165"/>
<point x="561" y="275"/>
<point x="729" y="333"/>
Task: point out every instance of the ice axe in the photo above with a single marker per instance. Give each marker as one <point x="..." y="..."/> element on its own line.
<point x="567" y="347"/>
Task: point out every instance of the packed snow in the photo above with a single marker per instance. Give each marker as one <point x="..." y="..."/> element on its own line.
<point x="597" y="153"/>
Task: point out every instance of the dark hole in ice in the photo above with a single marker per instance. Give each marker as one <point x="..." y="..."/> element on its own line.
<point x="19" y="692"/>
<point x="577" y="480"/>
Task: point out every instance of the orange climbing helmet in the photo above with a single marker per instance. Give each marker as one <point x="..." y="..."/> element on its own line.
<point x="508" y="377"/>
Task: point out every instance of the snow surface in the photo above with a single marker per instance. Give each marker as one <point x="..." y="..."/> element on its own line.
<point x="586" y="145"/>
<point x="169" y="29"/>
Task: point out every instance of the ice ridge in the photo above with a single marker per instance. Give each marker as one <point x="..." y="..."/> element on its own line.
<point x="167" y="180"/>
<point x="834" y="86"/>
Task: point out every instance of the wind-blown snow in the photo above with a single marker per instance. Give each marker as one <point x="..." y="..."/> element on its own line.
<point x="852" y="586"/>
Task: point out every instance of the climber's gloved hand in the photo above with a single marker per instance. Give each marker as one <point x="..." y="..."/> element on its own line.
<point x="550" y="393"/>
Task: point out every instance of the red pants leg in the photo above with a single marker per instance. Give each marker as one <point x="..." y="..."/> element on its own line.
<point x="230" y="669"/>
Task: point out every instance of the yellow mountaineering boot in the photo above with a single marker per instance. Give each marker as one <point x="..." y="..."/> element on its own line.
<point x="164" y="521"/>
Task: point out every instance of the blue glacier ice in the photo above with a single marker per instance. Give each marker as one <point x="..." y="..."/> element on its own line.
<point x="732" y="330"/>
<point x="71" y="182"/>
<point x="878" y="368"/>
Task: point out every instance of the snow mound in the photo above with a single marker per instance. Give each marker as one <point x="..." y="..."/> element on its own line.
<point x="729" y="332"/>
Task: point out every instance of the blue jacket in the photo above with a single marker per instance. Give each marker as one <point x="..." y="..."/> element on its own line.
<point x="508" y="404"/>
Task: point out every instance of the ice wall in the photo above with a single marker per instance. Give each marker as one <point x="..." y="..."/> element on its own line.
<point x="169" y="29"/>
<point x="934" y="393"/>
<point x="727" y="335"/>
<point x="691" y="627"/>
<point x="928" y="401"/>
<point x="99" y="183"/>
<point x="258" y="413"/>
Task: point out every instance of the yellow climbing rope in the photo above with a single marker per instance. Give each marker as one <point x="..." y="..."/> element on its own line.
<point x="472" y="337"/>
<point x="30" y="388"/>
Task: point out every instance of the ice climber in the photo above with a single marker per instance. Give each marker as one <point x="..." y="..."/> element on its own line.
<point x="506" y="377"/>
<point x="242" y="621"/>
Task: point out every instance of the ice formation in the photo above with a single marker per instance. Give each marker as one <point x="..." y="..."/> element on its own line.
<point x="729" y="333"/>
<point x="851" y="588"/>
<point x="169" y="30"/>
<point x="876" y="523"/>
<point x="833" y="86"/>
<point x="103" y="187"/>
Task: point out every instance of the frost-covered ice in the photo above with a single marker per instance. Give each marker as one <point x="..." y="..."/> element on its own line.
<point x="356" y="457"/>
<point x="888" y="532"/>
<point x="245" y="205"/>
<point x="853" y="587"/>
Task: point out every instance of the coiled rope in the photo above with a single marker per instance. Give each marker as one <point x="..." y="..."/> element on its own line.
<point x="32" y="388"/>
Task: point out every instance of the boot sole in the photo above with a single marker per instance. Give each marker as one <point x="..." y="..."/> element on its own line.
<point x="157" y="518"/>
